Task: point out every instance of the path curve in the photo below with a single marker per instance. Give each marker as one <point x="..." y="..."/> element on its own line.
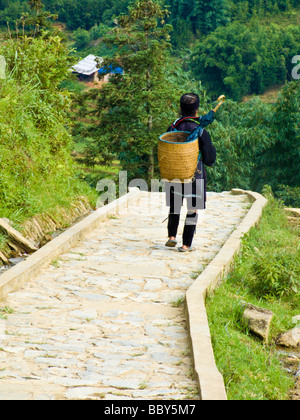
<point x="106" y="320"/>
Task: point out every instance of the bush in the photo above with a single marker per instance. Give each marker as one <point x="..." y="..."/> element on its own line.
<point x="36" y="168"/>
<point x="276" y="273"/>
<point x="279" y="164"/>
<point x="45" y="59"/>
<point x="240" y="134"/>
<point x="289" y="195"/>
<point x="270" y="263"/>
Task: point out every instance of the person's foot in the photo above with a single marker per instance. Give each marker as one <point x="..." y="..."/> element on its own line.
<point x="171" y="243"/>
<point x="185" y="248"/>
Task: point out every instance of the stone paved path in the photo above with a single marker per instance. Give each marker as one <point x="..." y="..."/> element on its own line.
<point x="106" y="319"/>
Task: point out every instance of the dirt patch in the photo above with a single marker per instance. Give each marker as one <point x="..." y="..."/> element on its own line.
<point x="270" y="96"/>
<point x="295" y="394"/>
<point x="291" y="363"/>
<point x="96" y="85"/>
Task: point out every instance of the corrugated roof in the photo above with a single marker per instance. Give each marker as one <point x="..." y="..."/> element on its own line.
<point x="87" y="66"/>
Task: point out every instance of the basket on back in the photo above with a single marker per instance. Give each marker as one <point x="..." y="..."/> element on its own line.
<point x="177" y="158"/>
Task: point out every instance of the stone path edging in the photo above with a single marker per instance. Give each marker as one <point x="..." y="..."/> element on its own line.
<point x="293" y="211"/>
<point x="28" y="269"/>
<point x="210" y="381"/>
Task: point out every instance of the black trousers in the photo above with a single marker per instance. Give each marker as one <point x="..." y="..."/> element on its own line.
<point x="189" y="227"/>
<point x="175" y="201"/>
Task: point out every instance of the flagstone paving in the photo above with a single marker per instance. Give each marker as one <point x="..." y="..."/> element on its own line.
<point x="106" y="320"/>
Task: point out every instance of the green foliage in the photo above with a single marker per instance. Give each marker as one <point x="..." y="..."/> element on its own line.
<point x="134" y="108"/>
<point x="11" y="11"/>
<point x="279" y="165"/>
<point x="276" y="274"/>
<point x="83" y="38"/>
<point x="39" y="18"/>
<point x="45" y="59"/>
<point x="209" y="15"/>
<point x="77" y="14"/>
<point x="251" y="371"/>
<point x="203" y="15"/>
<point x="238" y="59"/>
<point x="266" y="274"/>
<point x="258" y="143"/>
<point x="240" y="134"/>
<point x="289" y="195"/>
<point x="28" y="146"/>
<point x="29" y="13"/>
<point x="270" y="264"/>
<point x="248" y="8"/>
<point x="36" y="170"/>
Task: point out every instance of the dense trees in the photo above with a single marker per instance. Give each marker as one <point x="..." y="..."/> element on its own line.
<point x="240" y="134"/>
<point x="204" y="15"/>
<point x="233" y="47"/>
<point x="279" y="165"/>
<point x="132" y="108"/>
<point x="259" y="144"/>
<point x="234" y="50"/>
<point x="78" y="14"/>
<point x="240" y="59"/>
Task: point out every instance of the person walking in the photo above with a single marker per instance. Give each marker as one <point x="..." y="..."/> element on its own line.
<point x="195" y="191"/>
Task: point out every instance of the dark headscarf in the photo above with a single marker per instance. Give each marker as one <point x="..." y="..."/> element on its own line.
<point x="189" y="103"/>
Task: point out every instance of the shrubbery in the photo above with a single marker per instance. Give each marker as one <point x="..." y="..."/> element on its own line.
<point x="269" y="266"/>
<point x="36" y="169"/>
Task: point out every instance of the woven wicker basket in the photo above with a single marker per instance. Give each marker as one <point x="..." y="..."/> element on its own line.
<point x="177" y="158"/>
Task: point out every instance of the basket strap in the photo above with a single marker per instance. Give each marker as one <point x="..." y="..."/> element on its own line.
<point x="179" y="120"/>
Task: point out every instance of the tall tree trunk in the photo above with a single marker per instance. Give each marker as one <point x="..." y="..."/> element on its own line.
<point x="151" y="165"/>
<point x="150" y="126"/>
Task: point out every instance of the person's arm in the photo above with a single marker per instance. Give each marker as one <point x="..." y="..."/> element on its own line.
<point x="207" y="119"/>
<point x="208" y="150"/>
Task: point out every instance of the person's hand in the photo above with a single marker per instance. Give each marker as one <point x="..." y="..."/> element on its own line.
<point x="221" y="100"/>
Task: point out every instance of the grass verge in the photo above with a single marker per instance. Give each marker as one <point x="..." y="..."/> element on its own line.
<point x="266" y="274"/>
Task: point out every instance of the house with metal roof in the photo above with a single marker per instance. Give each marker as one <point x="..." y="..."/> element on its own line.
<point x="87" y="69"/>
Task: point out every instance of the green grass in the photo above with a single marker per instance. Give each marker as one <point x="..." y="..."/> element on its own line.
<point x="253" y="370"/>
<point x="48" y="198"/>
<point x="37" y="173"/>
<point x="5" y="311"/>
<point x="92" y="174"/>
<point x="3" y="239"/>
